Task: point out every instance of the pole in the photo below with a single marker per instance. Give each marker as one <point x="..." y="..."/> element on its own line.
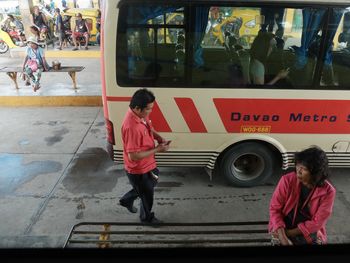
<point x="25" y="7"/>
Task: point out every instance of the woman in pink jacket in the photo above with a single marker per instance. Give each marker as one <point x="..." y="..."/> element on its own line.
<point x="302" y="201"/>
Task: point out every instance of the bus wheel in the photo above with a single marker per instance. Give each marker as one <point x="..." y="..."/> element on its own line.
<point x="248" y="164"/>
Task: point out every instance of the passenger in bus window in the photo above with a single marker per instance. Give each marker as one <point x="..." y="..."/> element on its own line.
<point x="138" y="138"/>
<point x="262" y="47"/>
<point x="272" y="16"/>
<point x="302" y="201"/>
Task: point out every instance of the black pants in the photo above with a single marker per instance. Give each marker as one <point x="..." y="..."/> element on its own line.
<point x="143" y="187"/>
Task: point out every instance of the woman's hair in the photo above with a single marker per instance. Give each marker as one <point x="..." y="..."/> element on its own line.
<point x="141" y="99"/>
<point x="316" y="161"/>
<point x="260" y="46"/>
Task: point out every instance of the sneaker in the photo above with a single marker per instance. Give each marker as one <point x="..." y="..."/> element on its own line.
<point x="75" y="49"/>
<point x="131" y="208"/>
<point x="86" y="48"/>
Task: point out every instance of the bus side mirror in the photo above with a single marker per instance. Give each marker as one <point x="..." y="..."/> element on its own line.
<point x="259" y="19"/>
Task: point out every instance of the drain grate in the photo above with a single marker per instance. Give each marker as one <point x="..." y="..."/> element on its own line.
<point x="137" y="235"/>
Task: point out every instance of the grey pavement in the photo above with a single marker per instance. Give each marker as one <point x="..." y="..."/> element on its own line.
<point x="55" y="84"/>
<point x="55" y="172"/>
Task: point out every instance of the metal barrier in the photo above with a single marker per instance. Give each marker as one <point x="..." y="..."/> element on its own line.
<point x="138" y="235"/>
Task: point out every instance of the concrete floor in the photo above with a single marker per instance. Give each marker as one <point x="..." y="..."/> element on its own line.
<point x="55" y="172"/>
<point x="55" y="84"/>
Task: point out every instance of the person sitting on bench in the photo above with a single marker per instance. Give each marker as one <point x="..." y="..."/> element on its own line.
<point x="81" y="30"/>
<point x="34" y="63"/>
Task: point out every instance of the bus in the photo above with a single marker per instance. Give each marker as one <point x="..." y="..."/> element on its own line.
<point x="205" y="101"/>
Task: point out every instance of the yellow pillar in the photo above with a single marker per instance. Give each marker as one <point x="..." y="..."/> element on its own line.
<point x="25" y="7"/>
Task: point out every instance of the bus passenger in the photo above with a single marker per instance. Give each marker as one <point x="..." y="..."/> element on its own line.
<point x="139" y="149"/>
<point x="262" y="47"/>
<point x="272" y="16"/>
<point x="302" y="201"/>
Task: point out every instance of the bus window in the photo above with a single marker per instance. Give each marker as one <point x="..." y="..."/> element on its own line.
<point x="336" y="66"/>
<point x="227" y="45"/>
<point x="155" y="46"/>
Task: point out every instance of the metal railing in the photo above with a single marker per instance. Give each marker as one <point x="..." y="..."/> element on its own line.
<point x="138" y="235"/>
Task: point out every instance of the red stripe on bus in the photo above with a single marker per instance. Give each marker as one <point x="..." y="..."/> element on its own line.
<point x="284" y="115"/>
<point x="109" y="98"/>
<point x="103" y="81"/>
<point x="190" y="114"/>
<point x="158" y="120"/>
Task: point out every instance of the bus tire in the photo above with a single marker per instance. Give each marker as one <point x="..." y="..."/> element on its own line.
<point x="248" y="164"/>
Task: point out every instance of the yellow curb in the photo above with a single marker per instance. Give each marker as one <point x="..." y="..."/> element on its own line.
<point x="73" y="54"/>
<point x="18" y="101"/>
<point x="63" y="54"/>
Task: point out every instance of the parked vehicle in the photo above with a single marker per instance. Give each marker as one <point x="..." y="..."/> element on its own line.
<point x="9" y="38"/>
<point x="3" y="46"/>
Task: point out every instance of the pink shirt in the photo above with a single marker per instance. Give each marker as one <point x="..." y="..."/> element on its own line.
<point x="137" y="136"/>
<point x="286" y="197"/>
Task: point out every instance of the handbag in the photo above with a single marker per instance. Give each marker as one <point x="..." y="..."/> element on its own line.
<point x="32" y="64"/>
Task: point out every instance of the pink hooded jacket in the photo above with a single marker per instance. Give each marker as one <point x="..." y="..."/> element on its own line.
<point x="286" y="197"/>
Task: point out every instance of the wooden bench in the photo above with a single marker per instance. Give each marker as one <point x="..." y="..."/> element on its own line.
<point x="71" y="70"/>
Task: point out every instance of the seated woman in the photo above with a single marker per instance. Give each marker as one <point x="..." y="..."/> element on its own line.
<point x="261" y="49"/>
<point x="34" y="63"/>
<point x="302" y="201"/>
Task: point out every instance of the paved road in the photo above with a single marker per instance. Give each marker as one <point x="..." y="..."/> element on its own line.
<point x="55" y="172"/>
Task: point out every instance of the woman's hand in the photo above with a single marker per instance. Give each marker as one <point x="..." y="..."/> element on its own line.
<point x="285" y="241"/>
<point x="283" y="73"/>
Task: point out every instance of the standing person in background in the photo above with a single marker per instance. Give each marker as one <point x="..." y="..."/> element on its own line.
<point x="98" y="26"/>
<point x="302" y="201"/>
<point x="138" y="138"/>
<point x="39" y="20"/>
<point x="52" y="6"/>
<point x="64" y="4"/>
<point x="81" y="30"/>
<point x="60" y="30"/>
